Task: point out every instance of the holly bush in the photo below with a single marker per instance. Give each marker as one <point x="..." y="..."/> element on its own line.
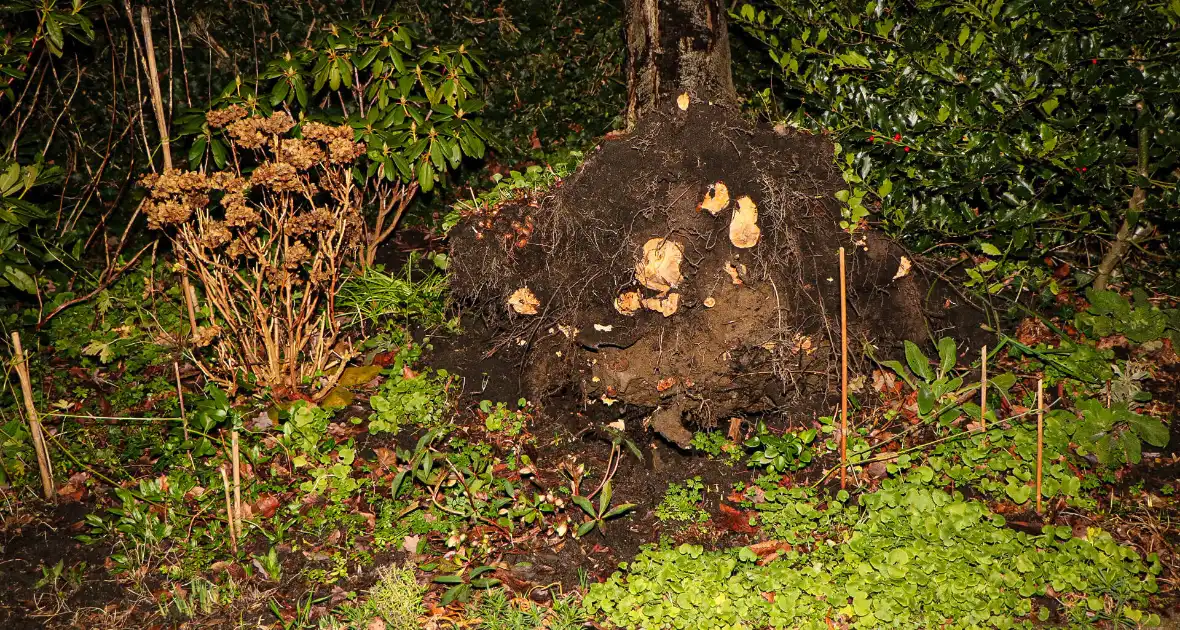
<point x="1029" y="123"/>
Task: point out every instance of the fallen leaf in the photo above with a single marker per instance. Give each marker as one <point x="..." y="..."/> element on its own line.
<point x="743" y="228"/>
<point x="338" y="398"/>
<point x="261" y="422"/>
<point x="716" y="198"/>
<point x="682" y="101"/>
<point x="266" y="505"/>
<point x="410" y="544"/>
<point x="735" y="429"/>
<point x="710" y="302"/>
<point x="665" y="384"/>
<point x="603" y="328"/>
<point x="659" y="269"/>
<point x="618" y="425"/>
<point x="386" y="457"/>
<point x="523" y="301"/>
<point x="734" y="520"/>
<point x="354" y="376"/>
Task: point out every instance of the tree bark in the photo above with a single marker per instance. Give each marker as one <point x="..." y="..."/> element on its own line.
<point x="676" y="46"/>
<point x="1129" y="230"/>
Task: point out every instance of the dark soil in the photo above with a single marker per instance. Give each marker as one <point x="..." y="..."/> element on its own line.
<point x="769" y="344"/>
<point x="571" y="431"/>
<point x="30" y="543"/>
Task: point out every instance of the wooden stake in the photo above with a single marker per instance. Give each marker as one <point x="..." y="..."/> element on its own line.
<point x="180" y="396"/>
<point x="983" y="391"/>
<point x="44" y="465"/>
<point x="1040" y="436"/>
<point x="154" y="83"/>
<point x="190" y="300"/>
<point x="237" y="484"/>
<point x="843" y="375"/>
<point x="229" y="512"/>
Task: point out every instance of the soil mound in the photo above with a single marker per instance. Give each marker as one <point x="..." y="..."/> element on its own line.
<point x="691" y="267"/>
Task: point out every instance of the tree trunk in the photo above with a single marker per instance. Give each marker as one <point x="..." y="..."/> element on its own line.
<point x="676" y="46"/>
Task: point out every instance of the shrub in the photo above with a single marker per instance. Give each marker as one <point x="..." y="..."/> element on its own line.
<point x="412" y="109"/>
<point x="1043" y="122"/>
<point x="268" y="248"/>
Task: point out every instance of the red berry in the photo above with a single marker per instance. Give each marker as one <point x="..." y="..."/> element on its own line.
<point x="872" y="138"/>
<point x="907" y="149"/>
<point x="1094" y="61"/>
<point x="897" y="136"/>
<point x="1084" y="169"/>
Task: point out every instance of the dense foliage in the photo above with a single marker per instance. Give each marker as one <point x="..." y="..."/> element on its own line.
<point x="911" y="556"/>
<point x="555" y="69"/>
<point x="1038" y="124"/>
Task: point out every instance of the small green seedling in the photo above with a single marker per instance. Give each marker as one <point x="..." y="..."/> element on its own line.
<point x="463" y="583"/>
<point x="599" y="516"/>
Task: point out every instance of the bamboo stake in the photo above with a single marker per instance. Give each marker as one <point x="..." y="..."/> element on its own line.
<point x="44" y="466"/>
<point x="180" y="395"/>
<point x="154" y="83"/>
<point x="843" y="375"/>
<point x="229" y="512"/>
<point x="983" y="391"/>
<point x="1040" y="436"/>
<point x="237" y="483"/>
<point x="190" y="300"/>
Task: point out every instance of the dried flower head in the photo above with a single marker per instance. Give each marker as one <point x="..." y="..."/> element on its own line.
<point x="214" y="234"/>
<point x="339" y="140"/>
<point x="204" y="335"/>
<point x="240" y="247"/>
<point x="297" y="254"/>
<point x="301" y="154"/>
<point x="277" y="176"/>
<point x="318" y="220"/>
<point x="238" y="212"/>
<point x="246" y="133"/>
<point x="218" y="118"/>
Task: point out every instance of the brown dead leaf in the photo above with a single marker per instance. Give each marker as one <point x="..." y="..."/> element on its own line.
<point x="523" y="301"/>
<point x="266" y="506"/>
<point x="743" y="228"/>
<point x="735" y="429"/>
<point x="410" y="544"/>
<point x="716" y="198"/>
<point x="734" y="520"/>
<point x="665" y="384"/>
<point x="386" y="457"/>
<point x="659" y="269"/>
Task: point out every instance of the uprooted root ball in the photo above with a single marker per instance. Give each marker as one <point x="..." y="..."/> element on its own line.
<point x="690" y="266"/>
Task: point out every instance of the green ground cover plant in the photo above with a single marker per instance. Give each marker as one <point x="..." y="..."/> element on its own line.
<point x="912" y="555"/>
<point x="682" y="503"/>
